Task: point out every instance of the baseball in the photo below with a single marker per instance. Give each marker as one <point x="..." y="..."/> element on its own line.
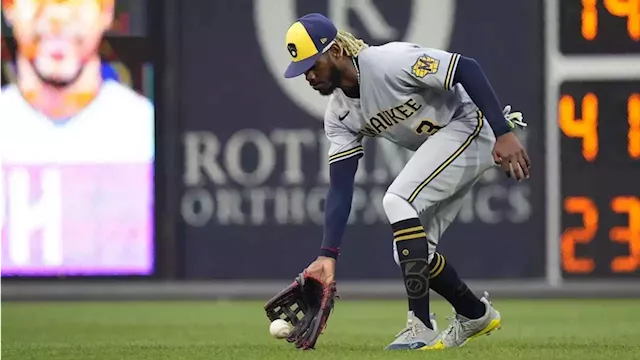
<point x="280" y="329"/>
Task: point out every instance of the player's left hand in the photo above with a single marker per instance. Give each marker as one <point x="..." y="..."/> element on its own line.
<point x="323" y="269"/>
<point x="509" y="153"/>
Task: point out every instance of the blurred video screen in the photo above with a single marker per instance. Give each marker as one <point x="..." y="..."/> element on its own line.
<point x="76" y="139"/>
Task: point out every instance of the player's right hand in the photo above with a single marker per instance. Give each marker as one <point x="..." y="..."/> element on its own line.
<point x="323" y="269"/>
<point x="509" y="153"/>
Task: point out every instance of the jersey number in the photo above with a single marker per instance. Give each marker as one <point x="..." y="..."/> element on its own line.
<point x="427" y="127"/>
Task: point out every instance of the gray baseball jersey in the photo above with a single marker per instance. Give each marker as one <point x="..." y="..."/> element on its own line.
<point x="406" y="95"/>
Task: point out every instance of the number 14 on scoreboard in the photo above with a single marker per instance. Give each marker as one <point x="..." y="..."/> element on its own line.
<point x="629" y="9"/>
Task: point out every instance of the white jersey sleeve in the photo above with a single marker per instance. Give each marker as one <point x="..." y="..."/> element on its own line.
<point x="421" y="67"/>
<point x="343" y="142"/>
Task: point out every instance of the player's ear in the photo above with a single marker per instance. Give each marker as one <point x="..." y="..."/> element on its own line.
<point x="335" y="51"/>
<point x="107" y="14"/>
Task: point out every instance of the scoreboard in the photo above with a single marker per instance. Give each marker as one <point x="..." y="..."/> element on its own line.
<point x="599" y="26"/>
<point x="593" y="138"/>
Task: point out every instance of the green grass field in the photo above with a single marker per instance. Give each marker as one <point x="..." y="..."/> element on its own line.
<point x="542" y="329"/>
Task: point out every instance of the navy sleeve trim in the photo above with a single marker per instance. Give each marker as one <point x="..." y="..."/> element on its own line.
<point x="451" y="70"/>
<point x="358" y="150"/>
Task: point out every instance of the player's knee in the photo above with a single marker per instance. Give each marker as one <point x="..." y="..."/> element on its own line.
<point x="397" y="208"/>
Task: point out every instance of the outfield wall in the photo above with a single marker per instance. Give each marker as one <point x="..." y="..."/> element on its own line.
<point x="117" y="291"/>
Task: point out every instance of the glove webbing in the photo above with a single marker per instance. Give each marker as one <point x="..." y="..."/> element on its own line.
<point x="290" y="312"/>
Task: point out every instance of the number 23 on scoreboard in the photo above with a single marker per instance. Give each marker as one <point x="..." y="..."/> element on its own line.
<point x="629" y="234"/>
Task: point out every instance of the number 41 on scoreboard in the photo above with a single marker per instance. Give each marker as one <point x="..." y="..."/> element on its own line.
<point x="586" y="128"/>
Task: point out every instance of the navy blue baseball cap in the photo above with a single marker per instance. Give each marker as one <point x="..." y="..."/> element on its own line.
<point x="307" y="39"/>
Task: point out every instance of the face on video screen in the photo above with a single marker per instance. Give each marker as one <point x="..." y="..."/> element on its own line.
<point x="58" y="36"/>
<point x="77" y="139"/>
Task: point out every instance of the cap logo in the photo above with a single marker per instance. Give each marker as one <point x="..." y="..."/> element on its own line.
<point x="323" y="40"/>
<point x="293" y="51"/>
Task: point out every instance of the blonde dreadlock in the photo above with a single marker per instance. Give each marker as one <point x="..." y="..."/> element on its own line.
<point x="350" y="45"/>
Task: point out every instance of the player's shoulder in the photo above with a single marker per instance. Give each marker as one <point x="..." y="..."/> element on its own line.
<point x="12" y="104"/>
<point x="126" y="98"/>
<point x="390" y="48"/>
<point x="125" y="107"/>
<point x="9" y="94"/>
<point x="380" y="55"/>
<point x="383" y="58"/>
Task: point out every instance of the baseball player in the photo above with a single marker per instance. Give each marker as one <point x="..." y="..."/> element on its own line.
<point x="436" y="103"/>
